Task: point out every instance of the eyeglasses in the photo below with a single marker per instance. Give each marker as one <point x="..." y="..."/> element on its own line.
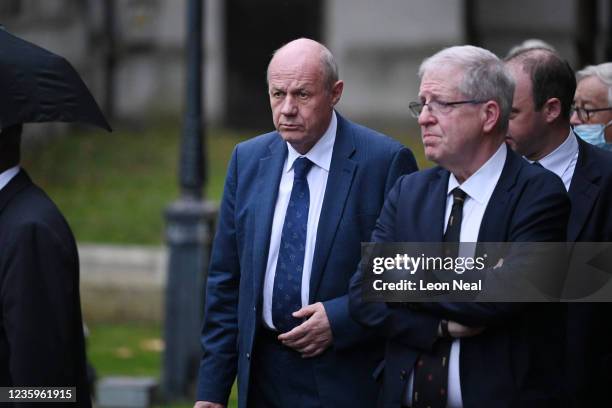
<point x="437" y="107"/>
<point x="585" y="114"/>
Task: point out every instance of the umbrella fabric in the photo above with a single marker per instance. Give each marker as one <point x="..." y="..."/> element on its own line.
<point x="39" y="86"/>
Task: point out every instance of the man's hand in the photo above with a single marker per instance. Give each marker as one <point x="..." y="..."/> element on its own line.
<point x="206" y="404"/>
<point x="457" y="330"/>
<point x="312" y="337"/>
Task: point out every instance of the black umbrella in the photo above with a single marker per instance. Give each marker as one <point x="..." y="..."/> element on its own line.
<point x="39" y="86"/>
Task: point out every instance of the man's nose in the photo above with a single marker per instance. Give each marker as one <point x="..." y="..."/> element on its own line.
<point x="425" y="117"/>
<point x="574" y="119"/>
<point x="289" y="107"/>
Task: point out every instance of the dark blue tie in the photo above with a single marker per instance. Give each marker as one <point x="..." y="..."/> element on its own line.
<point x="287" y="293"/>
<point x="431" y="370"/>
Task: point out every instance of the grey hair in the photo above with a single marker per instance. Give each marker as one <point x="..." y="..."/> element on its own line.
<point x="603" y="72"/>
<point x="327" y="60"/>
<point x="485" y="77"/>
<point x="329" y="66"/>
<point x="530" y="44"/>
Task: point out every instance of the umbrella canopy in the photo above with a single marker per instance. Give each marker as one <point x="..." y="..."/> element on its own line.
<point x="39" y="86"/>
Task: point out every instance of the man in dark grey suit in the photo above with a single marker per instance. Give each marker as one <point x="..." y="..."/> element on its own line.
<point x="469" y="354"/>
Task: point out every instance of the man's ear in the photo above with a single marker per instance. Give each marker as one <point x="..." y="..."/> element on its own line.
<point x="336" y="92"/>
<point x="551" y="110"/>
<point x="491" y="113"/>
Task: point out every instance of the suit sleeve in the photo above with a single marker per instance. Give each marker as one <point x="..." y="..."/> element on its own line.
<point x="220" y="328"/>
<point x="402" y="324"/>
<point x="41" y="308"/>
<point x="346" y="331"/>
<point x="540" y="216"/>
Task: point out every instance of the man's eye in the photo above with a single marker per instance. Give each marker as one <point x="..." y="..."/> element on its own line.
<point x="277" y="94"/>
<point x="302" y="95"/>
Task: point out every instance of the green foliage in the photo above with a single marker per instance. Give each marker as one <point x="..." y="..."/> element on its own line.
<point x="114" y="187"/>
<point x="131" y="350"/>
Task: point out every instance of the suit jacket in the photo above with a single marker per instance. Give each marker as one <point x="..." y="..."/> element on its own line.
<point x="363" y="168"/>
<point x="589" y="356"/>
<point x="41" y="329"/>
<point x="516" y="361"/>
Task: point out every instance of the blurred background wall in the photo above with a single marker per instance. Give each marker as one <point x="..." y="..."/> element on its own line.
<point x="131" y="51"/>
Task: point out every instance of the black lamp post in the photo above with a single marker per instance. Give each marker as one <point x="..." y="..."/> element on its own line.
<point x="189" y="223"/>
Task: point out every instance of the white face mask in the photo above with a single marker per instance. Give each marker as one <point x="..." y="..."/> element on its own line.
<point x="594" y="134"/>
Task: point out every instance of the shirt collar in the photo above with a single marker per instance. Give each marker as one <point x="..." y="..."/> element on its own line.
<point x="559" y="159"/>
<point x="480" y="185"/>
<point x="7" y="175"/>
<point x="321" y="153"/>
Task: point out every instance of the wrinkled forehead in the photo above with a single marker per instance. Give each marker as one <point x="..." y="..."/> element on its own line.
<point x="441" y="82"/>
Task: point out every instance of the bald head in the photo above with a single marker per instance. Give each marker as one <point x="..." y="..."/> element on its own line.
<point x="303" y="91"/>
<point x="305" y="50"/>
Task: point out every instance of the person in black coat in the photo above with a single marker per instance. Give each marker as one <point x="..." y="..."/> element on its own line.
<point x="41" y="329"/>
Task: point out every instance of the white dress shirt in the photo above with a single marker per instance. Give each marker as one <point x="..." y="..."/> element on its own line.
<point x="479" y="189"/>
<point x="562" y="160"/>
<point x="320" y="155"/>
<point x="7" y="175"/>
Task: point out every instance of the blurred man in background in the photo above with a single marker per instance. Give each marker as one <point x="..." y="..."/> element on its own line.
<point x="592" y="116"/>
<point x="540" y="131"/>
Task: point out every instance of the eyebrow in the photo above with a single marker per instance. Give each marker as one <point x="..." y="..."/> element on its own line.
<point x="584" y="101"/>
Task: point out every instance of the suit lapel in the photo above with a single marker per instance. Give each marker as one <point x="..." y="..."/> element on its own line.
<point x="433" y="228"/>
<point x="583" y="192"/>
<point x="498" y="203"/>
<point x="268" y="179"/>
<point x="339" y="180"/>
<point x="17" y="183"/>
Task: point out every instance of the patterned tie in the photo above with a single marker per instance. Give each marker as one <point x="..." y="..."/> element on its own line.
<point x="431" y="370"/>
<point x="287" y="292"/>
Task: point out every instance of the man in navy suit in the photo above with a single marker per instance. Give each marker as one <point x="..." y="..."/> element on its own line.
<point x="468" y="354"/>
<point x="540" y="131"/>
<point x="296" y="206"/>
<point x="41" y="329"/>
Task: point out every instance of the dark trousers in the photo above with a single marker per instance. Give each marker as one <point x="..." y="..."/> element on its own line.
<point x="280" y="377"/>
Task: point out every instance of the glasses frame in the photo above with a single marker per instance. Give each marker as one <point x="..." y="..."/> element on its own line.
<point x="587" y="112"/>
<point x="416" y="108"/>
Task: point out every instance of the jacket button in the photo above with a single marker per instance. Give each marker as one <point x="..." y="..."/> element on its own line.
<point x="255" y="308"/>
<point x="403" y="375"/>
<point x="248" y="356"/>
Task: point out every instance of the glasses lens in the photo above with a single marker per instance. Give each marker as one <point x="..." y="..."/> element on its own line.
<point x="415" y="108"/>
<point x="582" y="114"/>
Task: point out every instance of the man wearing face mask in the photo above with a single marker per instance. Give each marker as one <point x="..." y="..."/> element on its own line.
<point x="592" y="116"/>
<point x="540" y="130"/>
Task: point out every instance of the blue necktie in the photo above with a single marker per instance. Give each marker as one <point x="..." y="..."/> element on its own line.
<point x="287" y="293"/>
